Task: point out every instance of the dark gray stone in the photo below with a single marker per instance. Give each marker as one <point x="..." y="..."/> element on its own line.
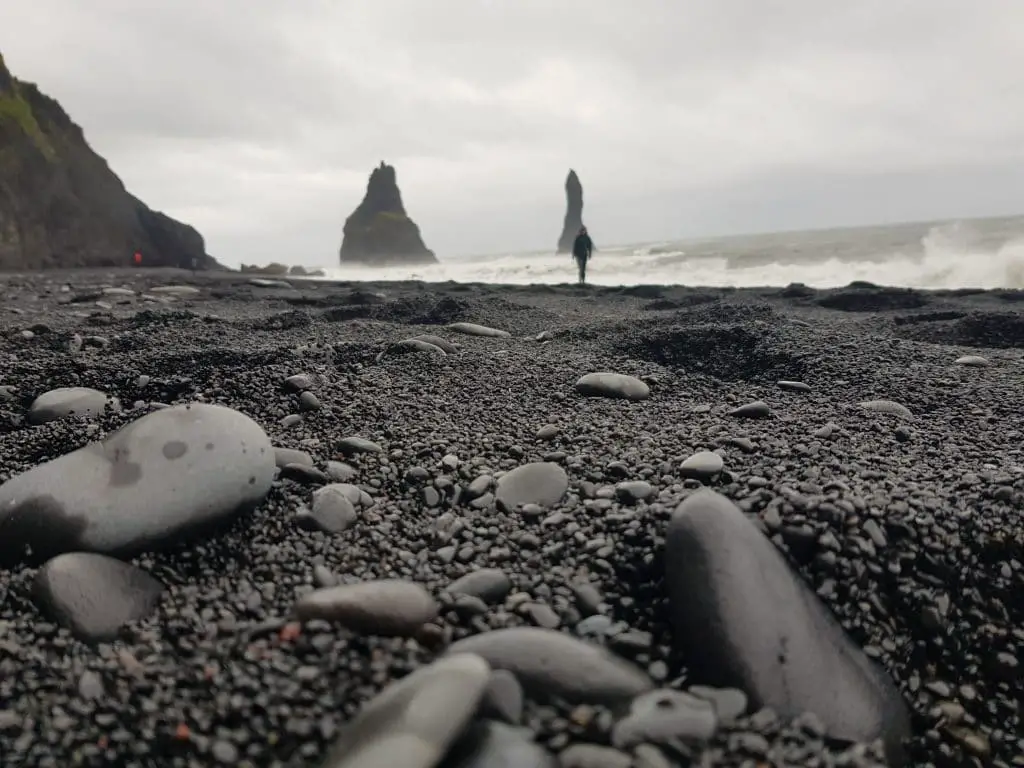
<point x="663" y="716"/>
<point x="755" y="410"/>
<point x="490" y="744"/>
<point x="489" y="584"/>
<point x="354" y="445"/>
<point x="94" y="595"/>
<point x="703" y="465"/>
<point x="743" y="619"/>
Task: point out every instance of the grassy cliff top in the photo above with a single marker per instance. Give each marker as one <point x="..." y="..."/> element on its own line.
<point x="14" y="108"/>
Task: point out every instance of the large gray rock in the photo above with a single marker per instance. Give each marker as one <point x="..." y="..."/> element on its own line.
<point x="490" y="744"/>
<point x="66" y="402"/>
<point x="170" y="473"/>
<point x="94" y="595"/>
<point x="550" y="663"/>
<point x="743" y="619"/>
<point x="412" y="723"/>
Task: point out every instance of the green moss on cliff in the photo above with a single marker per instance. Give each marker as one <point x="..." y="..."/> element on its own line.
<point x="14" y="108"/>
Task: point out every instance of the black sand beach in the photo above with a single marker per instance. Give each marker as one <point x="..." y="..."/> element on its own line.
<point x="902" y="516"/>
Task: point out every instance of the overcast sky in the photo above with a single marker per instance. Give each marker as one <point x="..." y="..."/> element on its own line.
<point x="258" y="121"/>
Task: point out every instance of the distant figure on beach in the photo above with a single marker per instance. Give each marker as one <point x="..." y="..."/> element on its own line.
<point x="137" y="259"/>
<point x="582" y="247"/>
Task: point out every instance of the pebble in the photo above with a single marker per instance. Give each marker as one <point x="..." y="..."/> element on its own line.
<point x="355" y="445"/>
<point x="634" y="491"/>
<point x="703" y="465"/>
<point x="489" y="584"/>
<point x="472" y="329"/>
<point x="794" y="386"/>
<point x="332" y="510"/>
<point x="542" y="482"/>
<point x="613" y="385"/>
<point x="443" y="344"/>
<point x="550" y="663"/>
<point x="593" y="756"/>
<point x="755" y="410"/>
<point x="392" y="607"/>
<point x="188" y="467"/>
<point x="663" y="716"/>
<point x="68" y="402"/>
<point x="889" y="407"/>
<point x="503" y="699"/>
<point x="744" y="620"/>
<point x="412" y="723"/>
<point x="974" y="361"/>
<point x="490" y="744"/>
<point x="94" y="595"/>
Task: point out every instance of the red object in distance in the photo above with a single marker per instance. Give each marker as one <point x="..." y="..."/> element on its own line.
<point x="138" y="259"/>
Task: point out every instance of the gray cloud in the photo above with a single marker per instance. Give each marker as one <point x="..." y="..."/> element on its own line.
<point x="259" y="121"/>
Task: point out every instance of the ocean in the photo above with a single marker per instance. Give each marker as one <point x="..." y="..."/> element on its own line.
<point x="975" y="253"/>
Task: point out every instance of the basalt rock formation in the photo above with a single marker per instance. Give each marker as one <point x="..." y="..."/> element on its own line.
<point x="573" y="212"/>
<point x="61" y="206"/>
<point x="379" y="232"/>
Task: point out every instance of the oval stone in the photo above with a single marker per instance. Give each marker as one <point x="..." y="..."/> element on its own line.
<point x="550" y="663"/>
<point x="702" y="465"/>
<point x="614" y="385"/>
<point x="165" y="475"/>
<point x="743" y="619"/>
<point x="94" y="595"/>
<point x="472" y="329"/>
<point x="391" y="607"/>
<point x="443" y="344"/>
<point x="66" y="402"/>
<point x="889" y="407"/>
<point x="976" y="361"/>
<point x="412" y="723"/>
<point x="541" y="482"/>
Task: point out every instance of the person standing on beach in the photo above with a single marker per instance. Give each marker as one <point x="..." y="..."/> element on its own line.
<point x="582" y="248"/>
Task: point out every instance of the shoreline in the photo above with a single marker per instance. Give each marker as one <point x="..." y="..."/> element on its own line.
<point x="904" y="525"/>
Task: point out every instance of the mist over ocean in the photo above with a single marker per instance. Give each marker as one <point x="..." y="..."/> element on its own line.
<point x="977" y="253"/>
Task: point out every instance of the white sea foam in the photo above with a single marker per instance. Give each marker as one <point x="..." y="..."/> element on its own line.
<point x="976" y="254"/>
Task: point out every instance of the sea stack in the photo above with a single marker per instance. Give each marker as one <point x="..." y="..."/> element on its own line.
<point x="379" y="232"/>
<point x="573" y="212"/>
<point x="61" y="206"/>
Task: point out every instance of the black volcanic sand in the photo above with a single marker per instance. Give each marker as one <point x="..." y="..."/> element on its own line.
<point x="908" y="530"/>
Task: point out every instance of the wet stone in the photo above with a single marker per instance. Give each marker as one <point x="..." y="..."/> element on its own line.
<point x="613" y="385"/>
<point x="391" y="607"/>
<point x="70" y="402"/>
<point x="550" y="663"/>
<point x="94" y="595"/>
<point x="743" y="619"/>
<point x="188" y="467"/>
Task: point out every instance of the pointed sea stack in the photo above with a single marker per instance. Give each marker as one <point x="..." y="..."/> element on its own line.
<point x="379" y="232"/>
<point x="62" y="207"/>
<point x="573" y="212"/>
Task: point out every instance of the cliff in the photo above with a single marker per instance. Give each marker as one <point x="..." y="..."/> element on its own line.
<point x="573" y="212"/>
<point x="61" y="206"/>
<point x="379" y="232"/>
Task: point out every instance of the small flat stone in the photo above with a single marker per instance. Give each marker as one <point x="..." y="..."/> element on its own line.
<point x="613" y="385"/>
<point x="416" y="345"/>
<point x="973" y="361"/>
<point x="541" y="482"/>
<point x="443" y="344"/>
<point x="491" y="585"/>
<point x="663" y="716"/>
<point x="285" y="456"/>
<point x="390" y="607"/>
<point x="889" y="407"/>
<point x="355" y="445"/>
<point x="743" y="619"/>
<point x="94" y="595"/>
<point x="262" y="282"/>
<point x="633" y="491"/>
<point x="299" y="382"/>
<point x="175" y="290"/>
<point x="550" y="663"/>
<point x="703" y="465"/>
<point x="756" y="410"/>
<point x="547" y="432"/>
<point x="472" y="329"/>
<point x="413" y="723"/>
<point x="594" y="756"/>
<point x="332" y="510"/>
<point x="68" y="402"/>
<point x="340" y="472"/>
<point x="794" y="386"/>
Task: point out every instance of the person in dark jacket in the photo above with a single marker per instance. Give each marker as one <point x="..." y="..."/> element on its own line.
<point x="582" y="248"/>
